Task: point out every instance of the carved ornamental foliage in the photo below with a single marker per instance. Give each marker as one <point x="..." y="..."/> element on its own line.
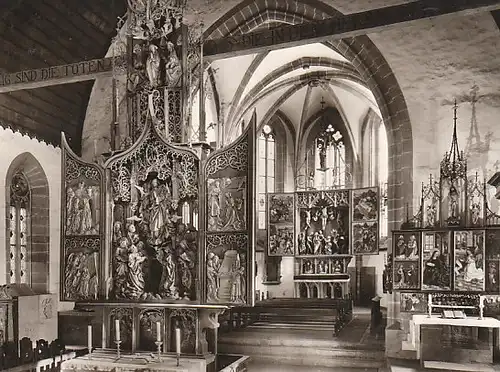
<point x="153" y="155"/>
<point x="233" y="157"/>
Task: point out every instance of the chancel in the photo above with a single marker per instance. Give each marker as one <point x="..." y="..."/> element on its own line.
<point x="252" y="185"/>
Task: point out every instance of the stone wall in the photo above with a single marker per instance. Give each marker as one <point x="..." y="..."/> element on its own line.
<point x="45" y="180"/>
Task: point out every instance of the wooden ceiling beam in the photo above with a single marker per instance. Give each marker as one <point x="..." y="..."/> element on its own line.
<point x="45" y="119"/>
<point x="78" y="21"/>
<point x="21" y="58"/>
<point x="31" y="129"/>
<point x="349" y="25"/>
<point x="22" y="120"/>
<point x="68" y="34"/>
<point x="93" y="14"/>
<point x="47" y="107"/>
<point x="48" y="34"/>
<point x="55" y="75"/>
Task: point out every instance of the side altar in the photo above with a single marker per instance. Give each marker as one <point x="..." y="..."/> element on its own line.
<point x="158" y="234"/>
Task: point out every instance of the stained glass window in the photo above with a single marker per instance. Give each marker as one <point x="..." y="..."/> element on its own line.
<point x="19" y="230"/>
<point x="266" y="171"/>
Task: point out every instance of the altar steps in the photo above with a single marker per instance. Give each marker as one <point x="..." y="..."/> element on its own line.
<point x="308" y="344"/>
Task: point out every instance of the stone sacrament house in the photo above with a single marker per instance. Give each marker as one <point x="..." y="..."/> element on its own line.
<point x="191" y="179"/>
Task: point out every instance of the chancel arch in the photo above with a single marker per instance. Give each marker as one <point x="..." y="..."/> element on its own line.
<point x="27" y="223"/>
<point x="371" y="71"/>
<point x="370" y="64"/>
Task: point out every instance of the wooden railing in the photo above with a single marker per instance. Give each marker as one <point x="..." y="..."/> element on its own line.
<point x="340" y="311"/>
<point x="22" y="356"/>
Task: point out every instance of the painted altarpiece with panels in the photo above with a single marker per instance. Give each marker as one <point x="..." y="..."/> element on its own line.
<point x="452" y="243"/>
<point x="280" y="224"/>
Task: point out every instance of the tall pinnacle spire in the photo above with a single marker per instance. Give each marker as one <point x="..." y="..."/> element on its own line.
<point x="454" y="164"/>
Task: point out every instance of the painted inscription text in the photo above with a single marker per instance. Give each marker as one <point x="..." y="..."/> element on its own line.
<point x="57" y="72"/>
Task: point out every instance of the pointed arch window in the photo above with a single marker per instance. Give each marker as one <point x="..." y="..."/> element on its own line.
<point x="266" y="170"/>
<point x="330" y="159"/>
<point x="19" y="270"/>
<point x="376" y="165"/>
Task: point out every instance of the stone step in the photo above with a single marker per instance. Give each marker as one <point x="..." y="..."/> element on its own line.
<point x="309" y="357"/>
<point x="300" y="350"/>
<point x="310" y="326"/>
<point x="408" y="345"/>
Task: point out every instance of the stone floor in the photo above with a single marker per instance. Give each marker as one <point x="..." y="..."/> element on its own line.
<point x="355" y="336"/>
<point x="263" y="367"/>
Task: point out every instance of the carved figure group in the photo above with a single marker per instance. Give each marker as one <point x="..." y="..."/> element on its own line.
<point x="226" y="277"/>
<point x="81" y="209"/>
<point x="281" y="241"/>
<point x="156" y="257"/>
<point x="315" y="243"/>
<point x="81" y="281"/>
<point x="226" y="204"/>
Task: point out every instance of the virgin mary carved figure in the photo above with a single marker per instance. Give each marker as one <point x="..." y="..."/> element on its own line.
<point x="173" y="70"/>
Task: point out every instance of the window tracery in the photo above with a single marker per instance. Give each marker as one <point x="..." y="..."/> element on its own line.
<point x="266" y="170"/>
<point x="19" y="217"/>
<point x="375" y="165"/>
<point x="330" y="159"/>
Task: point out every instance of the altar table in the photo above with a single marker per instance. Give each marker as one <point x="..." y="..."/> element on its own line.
<point x="418" y="320"/>
<point x="107" y="360"/>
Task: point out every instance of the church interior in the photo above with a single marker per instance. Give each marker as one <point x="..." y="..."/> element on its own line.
<point x="257" y="185"/>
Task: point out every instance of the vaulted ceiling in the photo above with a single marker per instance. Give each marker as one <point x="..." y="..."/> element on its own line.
<point x="41" y="33"/>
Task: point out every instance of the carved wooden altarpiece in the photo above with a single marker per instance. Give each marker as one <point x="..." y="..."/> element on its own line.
<point x="140" y="227"/>
<point x="229" y="176"/>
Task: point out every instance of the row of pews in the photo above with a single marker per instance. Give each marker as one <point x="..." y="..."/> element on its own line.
<point x="28" y="356"/>
<point x="336" y="313"/>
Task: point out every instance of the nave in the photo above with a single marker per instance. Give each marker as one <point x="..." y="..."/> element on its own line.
<point x="306" y="341"/>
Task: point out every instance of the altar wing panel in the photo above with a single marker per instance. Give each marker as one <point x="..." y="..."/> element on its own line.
<point x="229" y="221"/>
<point x="81" y="227"/>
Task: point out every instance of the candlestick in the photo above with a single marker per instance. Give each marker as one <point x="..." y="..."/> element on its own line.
<point x="118" y="343"/>
<point x="158" y="331"/>
<point x="89" y="338"/>
<point x="117" y="329"/>
<point x="158" y="346"/>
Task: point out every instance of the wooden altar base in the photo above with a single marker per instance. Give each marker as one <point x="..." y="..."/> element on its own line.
<point x="107" y="360"/>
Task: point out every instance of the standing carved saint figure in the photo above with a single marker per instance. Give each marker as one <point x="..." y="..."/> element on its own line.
<point x="214" y="203"/>
<point x="154" y="209"/>
<point x="453" y="200"/>
<point x="238" y="273"/>
<point x="120" y="268"/>
<point x="168" y="286"/>
<point x="135" y="278"/>
<point x="153" y="66"/>
<point x="173" y="69"/>
<point x="213" y="279"/>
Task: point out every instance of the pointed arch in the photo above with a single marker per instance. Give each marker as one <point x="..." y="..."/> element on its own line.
<point x="28" y="256"/>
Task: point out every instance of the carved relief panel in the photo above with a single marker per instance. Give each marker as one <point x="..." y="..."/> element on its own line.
<point x="154" y="242"/>
<point x="323" y="223"/>
<point x="230" y="195"/>
<point x="82" y="227"/>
